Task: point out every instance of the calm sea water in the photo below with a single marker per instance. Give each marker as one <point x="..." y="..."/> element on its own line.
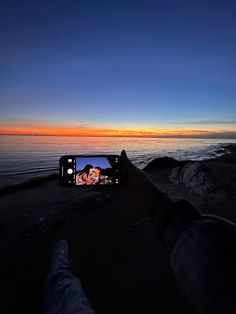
<point x="22" y="157"/>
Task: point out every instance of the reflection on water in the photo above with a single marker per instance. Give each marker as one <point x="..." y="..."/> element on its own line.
<point x="28" y="154"/>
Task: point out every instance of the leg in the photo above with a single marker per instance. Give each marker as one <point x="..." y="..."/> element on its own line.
<point x="63" y="291"/>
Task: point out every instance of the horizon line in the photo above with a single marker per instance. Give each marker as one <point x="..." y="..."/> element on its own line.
<point x="206" y="136"/>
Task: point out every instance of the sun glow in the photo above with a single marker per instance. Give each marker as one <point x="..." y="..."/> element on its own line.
<point x="86" y="130"/>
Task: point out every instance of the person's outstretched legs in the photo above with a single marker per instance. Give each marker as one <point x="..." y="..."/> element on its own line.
<point x="63" y="292"/>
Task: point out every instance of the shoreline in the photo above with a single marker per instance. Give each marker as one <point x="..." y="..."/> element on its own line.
<point x="41" y="176"/>
<point x="28" y="183"/>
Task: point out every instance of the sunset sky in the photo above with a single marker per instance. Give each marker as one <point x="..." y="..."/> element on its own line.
<point x="118" y="68"/>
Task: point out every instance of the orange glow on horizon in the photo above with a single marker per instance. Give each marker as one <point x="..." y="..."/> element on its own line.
<point x="106" y="132"/>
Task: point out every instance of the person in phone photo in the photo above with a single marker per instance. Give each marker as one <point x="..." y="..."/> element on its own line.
<point x="84" y="177"/>
<point x="103" y="179"/>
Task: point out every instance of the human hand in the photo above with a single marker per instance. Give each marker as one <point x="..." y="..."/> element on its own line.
<point x="139" y="190"/>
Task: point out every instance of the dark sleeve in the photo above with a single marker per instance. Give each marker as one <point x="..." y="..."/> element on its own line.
<point x="203" y="257"/>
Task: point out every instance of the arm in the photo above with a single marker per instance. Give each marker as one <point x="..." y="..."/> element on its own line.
<point x="201" y="248"/>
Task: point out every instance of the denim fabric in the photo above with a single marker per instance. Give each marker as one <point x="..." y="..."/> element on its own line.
<point x="203" y="259"/>
<point x="64" y="295"/>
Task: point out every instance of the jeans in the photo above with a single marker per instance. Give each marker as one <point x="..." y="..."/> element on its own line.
<point x="64" y="294"/>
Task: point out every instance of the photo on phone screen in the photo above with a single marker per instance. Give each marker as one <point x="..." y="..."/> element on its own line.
<point x="90" y="170"/>
<point x="93" y="170"/>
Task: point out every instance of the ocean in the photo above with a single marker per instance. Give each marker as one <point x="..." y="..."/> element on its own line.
<point x="24" y="157"/>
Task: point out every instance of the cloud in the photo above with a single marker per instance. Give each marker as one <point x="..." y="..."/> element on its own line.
<point x="200" y="122"/>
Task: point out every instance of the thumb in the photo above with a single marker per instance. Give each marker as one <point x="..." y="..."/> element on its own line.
<point x="123" y="154"/>
<point x="127" y="164"/>
<point x="124" y="158"/>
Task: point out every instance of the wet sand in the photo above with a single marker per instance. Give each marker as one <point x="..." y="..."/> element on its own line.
<point x="114" y="248"/>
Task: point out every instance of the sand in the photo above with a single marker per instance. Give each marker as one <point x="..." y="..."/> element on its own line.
<point x="114" y="248"/>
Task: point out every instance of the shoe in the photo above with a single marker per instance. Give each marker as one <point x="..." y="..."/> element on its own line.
<point x="59" y="257"/>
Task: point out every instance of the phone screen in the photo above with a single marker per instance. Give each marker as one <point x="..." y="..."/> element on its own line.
<point x="90" y="170"/>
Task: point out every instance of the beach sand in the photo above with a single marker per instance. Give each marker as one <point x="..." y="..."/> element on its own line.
<point x="114" y="248"/>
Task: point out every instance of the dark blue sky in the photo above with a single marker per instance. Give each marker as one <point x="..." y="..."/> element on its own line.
<point x="119" y="64"/>
<point x="95" y="161"/>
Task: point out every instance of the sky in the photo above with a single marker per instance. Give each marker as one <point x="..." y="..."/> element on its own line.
<point x="118" y="68"/>
<point x="94" y="161"/>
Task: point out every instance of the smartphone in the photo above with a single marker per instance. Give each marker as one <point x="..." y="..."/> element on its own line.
<point x="89" y="170"/>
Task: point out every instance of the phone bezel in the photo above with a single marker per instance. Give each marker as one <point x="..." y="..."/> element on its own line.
<point x="68" y="180"/>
